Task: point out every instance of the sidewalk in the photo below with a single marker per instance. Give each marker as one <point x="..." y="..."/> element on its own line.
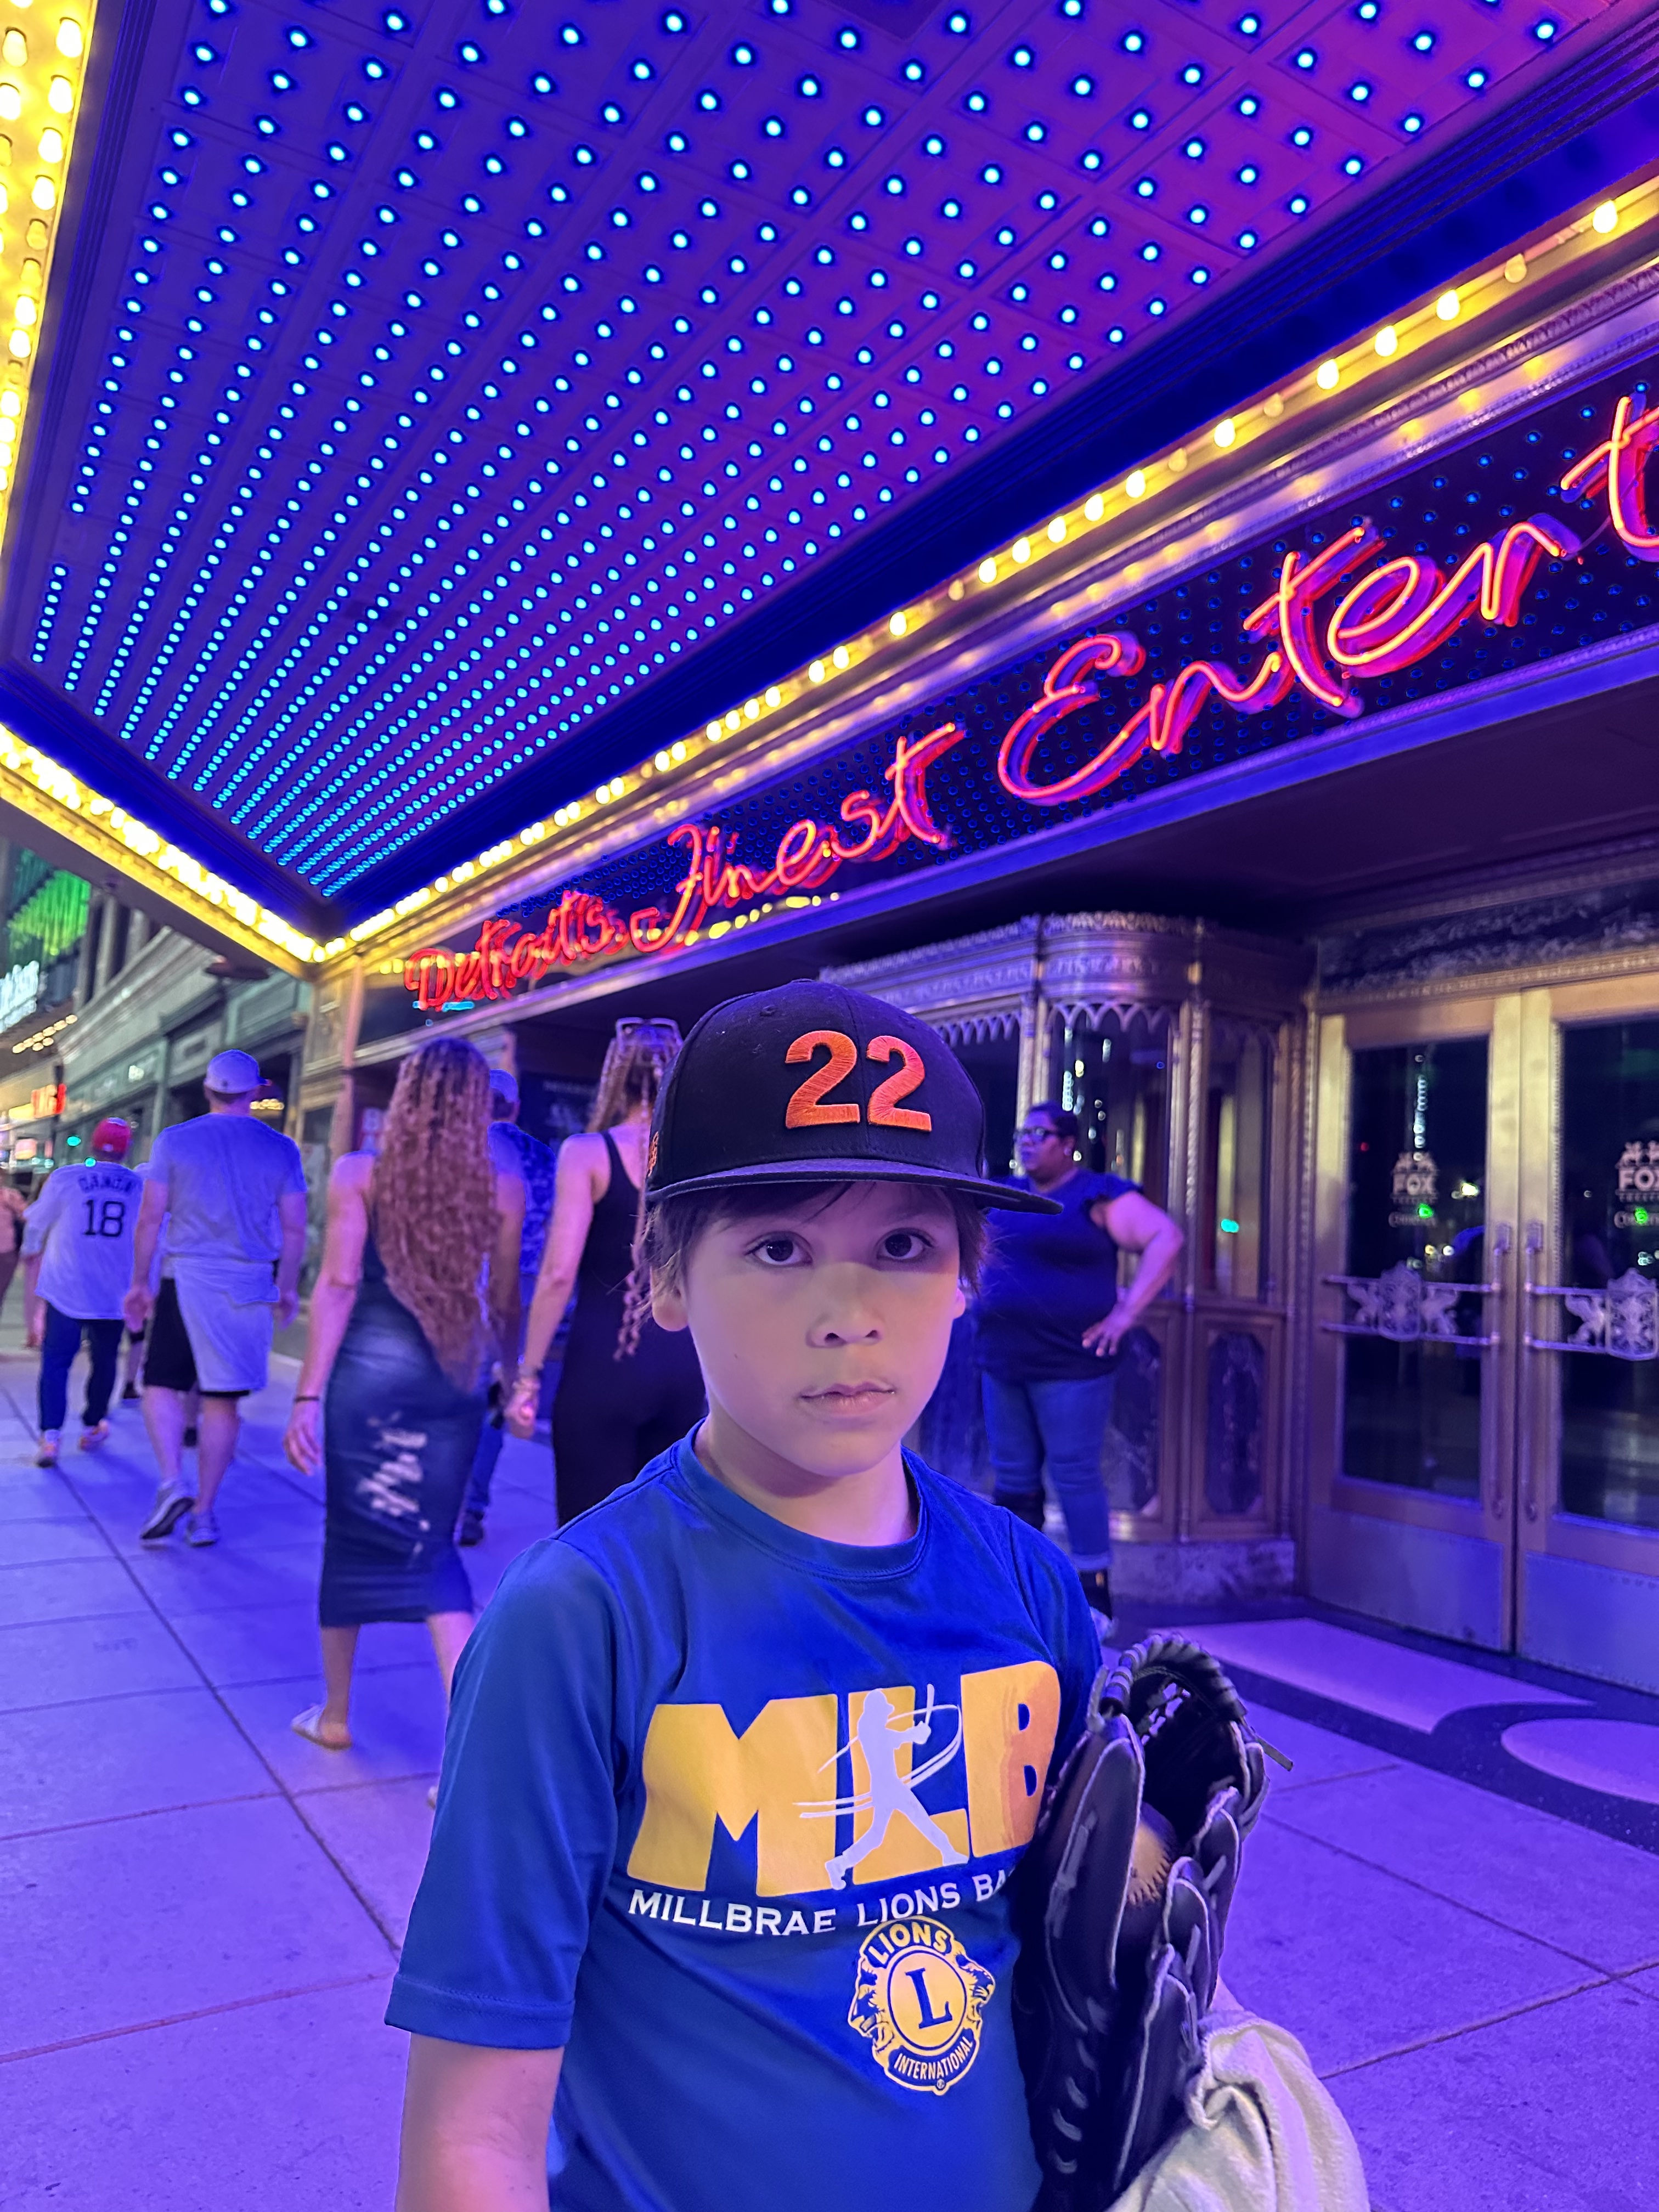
<point x="201" y="1912"/>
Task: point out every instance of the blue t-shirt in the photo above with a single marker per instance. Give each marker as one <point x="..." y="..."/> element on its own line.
<point x="1048" y="1276"/>
<point x="729" y="1811"/>
<point x="515" y="1152"/>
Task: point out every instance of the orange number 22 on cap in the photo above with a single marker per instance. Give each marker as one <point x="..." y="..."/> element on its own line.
<point x="808" y="1108"/>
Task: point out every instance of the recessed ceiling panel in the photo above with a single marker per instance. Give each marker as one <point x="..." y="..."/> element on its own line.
<point x="443" y="376"/>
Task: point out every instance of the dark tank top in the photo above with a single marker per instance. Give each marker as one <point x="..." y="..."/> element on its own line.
<point x="607" y="1258"/>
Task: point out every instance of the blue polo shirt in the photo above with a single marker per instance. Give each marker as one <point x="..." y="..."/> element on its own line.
<point x="729" y="1812"/>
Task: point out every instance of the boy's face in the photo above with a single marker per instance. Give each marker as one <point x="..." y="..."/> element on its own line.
<point x="822" y="1330"/>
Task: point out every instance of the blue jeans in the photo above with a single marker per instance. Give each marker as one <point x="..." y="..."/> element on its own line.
<point x="490" y="1437"/>
<point x="60" y="1341"/>
<point x="1061" y="1425"/>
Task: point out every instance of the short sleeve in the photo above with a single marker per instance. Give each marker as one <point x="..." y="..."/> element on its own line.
<point x="38" y="1221"/>
<point x="295" y="1180"/>
<point x="526" y="1834"/>
<point x="159" y="1165"/>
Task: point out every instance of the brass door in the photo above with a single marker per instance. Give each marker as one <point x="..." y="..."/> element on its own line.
<point x="1484" y="1445"/>
<point x="1587" y="1460"/>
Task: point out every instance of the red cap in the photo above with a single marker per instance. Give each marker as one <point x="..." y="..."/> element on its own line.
<point x="112" y="1135"/>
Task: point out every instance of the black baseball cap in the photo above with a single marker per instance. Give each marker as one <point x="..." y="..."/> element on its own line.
<point x="813" y="1083"/>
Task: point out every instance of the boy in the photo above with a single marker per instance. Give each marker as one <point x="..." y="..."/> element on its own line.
<point x="77" y="1256"/>
<point x="740" y="1763"/>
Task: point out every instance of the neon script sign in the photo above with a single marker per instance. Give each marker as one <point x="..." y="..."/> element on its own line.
<point x="584" y="927"/>
<point x="1397" y="613"/>
<point x="1334" y="618"/>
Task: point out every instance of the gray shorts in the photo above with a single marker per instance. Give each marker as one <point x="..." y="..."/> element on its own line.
<point x="229" y="1331"/>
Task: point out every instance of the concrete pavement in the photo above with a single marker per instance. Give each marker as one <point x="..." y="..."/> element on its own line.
<point x="201" y="1912"/>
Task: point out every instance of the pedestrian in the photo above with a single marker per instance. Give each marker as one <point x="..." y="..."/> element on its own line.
<point x="1050" y="1325"/>
<point x="627" y="1387"/>
<point x="232" y="1194"/>
<point x="77" y="1261"/>
<point x="649" y="1884"/>
<point x="396" y="1364"/>
<point x="14" y="1206"/>
<point x="514" y="1151"/>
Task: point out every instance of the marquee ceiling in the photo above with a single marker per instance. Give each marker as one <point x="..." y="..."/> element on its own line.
<point x="436" y="397"/>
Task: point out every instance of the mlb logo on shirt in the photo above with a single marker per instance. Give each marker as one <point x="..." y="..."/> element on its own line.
<point x="994" y="1739"/>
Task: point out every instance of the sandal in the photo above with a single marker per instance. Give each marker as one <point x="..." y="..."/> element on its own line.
<point x="309" y="1725"/>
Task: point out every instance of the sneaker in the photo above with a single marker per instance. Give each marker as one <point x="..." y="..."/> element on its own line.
<point x="191" y="1438"/>
<point x="47" y="1455"/>
<point x="470" y="1531"/>
<point x="96" y="1434"/>
<point x="1098" y="1588"/>
<point x="202" y="1528"/>
<point x="172" y="1502"/>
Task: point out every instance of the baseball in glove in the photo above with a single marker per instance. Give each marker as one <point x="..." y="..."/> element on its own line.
<point x="1124" y="1895"/>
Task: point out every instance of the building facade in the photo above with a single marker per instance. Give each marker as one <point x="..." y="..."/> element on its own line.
<point x="1290" y="814"/>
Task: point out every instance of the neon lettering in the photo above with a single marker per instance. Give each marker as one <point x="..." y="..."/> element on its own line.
<point x="583" y="927"/>
<point x="1407" y="608"/>
<point x="1402" y="610"/>
<point x="1619" y="464"/>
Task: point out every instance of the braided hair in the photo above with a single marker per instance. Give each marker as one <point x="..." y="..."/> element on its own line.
<point x="636" y="1065"/>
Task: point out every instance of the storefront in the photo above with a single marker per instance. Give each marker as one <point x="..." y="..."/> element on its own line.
<point x="1289" y="810"/>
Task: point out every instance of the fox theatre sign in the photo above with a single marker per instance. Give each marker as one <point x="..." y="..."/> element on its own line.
<point x="1331" y="617"/>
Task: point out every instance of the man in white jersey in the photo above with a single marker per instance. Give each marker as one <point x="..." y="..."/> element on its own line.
<point x="232" y="1195"/>
<point x="77" y="1261"/>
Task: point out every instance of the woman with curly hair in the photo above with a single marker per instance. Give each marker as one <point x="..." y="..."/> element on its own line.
<point x="627" y="1389"/>
<point x="396" y="1357"/>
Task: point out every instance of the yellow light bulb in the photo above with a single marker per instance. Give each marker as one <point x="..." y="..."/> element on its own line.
<point x="1094" y="507"/>
<point x="1446" y="307"/>
<point x="70" y="39"/>
<point x="1225" y="432"/>
<point x="60" y="96"/>
<point x="1606" y="218"/>
<point x="1022" y="549"/>
<point x="988" y="572"/>
<point x="1387" y="340"/>
<point x="898" y="624"/>
<point x="818" y="671"/>
<point x="1135" y="484"/>
<point x="1326" y="375"/>
<point x="1057" y="530"/>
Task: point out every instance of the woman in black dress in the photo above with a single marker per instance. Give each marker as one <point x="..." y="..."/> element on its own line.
<point x="396" y="1361"/>
<point x="627" y="1389"/>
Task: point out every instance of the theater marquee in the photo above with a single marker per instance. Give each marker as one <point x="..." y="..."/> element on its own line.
<point x="1334" y="622"/>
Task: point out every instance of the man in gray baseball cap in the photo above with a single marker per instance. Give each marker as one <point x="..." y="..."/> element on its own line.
<point x="232" y="1194"/>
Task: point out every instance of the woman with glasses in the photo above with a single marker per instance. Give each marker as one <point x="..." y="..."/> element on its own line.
<point x="1048" y="1329"/>
<point x="627" y="1388"/>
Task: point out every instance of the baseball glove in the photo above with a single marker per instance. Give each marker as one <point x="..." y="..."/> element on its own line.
<point x="1123" y="1902"/>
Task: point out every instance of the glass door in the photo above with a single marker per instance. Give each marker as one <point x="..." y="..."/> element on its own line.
<point x="1484" y="1407"/>
<point x="1408" y="1516"/>
<point x="1588" y="1581"/>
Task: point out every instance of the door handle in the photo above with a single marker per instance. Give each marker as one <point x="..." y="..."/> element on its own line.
<point x="1501" y="1244"/>
<point x="1527" y="1440"/>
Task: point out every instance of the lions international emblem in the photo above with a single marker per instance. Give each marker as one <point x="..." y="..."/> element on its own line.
<point x="919" y="1998"/>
